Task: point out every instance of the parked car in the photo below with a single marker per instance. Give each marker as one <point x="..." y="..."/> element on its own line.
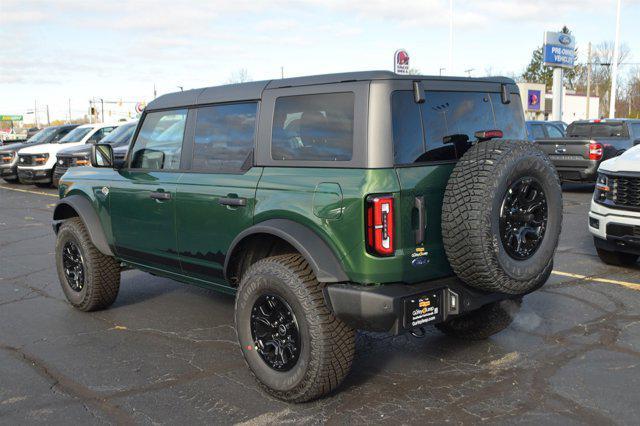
<point x="76" y="156"/>
<point x="589" y="143"/>
<point x="543" y="130"/>
<point x="561" y="124"/>
<point x="349" y="201"/>
<point x="9" y="153"/>
<point x="36" y="164"/>
<point x="614" y="219"/>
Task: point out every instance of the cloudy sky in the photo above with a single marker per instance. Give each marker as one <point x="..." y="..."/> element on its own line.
<point x="57" y="50"/>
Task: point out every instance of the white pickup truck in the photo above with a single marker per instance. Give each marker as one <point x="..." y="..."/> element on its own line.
<point x="614" y="219"/>
<point x="36" y="164"/>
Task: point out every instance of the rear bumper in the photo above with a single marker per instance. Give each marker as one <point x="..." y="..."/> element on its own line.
<point x="586" y="172"/>
<point x="382" y="307"/>
<point x="34" y="175"/>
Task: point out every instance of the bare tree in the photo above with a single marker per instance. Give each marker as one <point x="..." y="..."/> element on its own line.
<point x="601" y="61"/>
<point x="239" y="76"/>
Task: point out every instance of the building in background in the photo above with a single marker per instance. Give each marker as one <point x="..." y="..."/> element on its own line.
<point x="537" y="104"/>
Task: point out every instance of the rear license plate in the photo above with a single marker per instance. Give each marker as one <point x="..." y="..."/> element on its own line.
<point x="423" y="309"/>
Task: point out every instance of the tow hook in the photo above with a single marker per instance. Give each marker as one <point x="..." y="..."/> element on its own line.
<point x="418" y="332"/>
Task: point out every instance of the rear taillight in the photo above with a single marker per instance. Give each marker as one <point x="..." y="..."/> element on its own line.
<point x="595" y="151"/>
<point x="379" y="230"/>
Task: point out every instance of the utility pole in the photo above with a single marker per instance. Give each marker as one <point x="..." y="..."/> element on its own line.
<point x="614" y="70"/>
<point x="90" y="112"/>
<point x="588" y="78"/>
<point x="48" y="120"/>
<point x="442" y="69"/>
<point x="102" y="113"/>
<point x="35" y="112"/>
<point x="154" y="91"/>
<point x="450" y="37"/>
<point x="469" y="71"/>
<point x="69" y="110"/>
<point x="281" y="72"/>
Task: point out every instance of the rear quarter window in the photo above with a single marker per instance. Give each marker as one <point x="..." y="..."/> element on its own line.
<point x="316" y="127"/>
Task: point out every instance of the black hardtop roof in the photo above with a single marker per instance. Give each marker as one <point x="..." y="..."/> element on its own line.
<point x="253" y="90"/>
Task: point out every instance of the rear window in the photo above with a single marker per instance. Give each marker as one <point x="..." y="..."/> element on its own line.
<point x="443" y="127"/>
<point x="315" y="127"/>
<point x="595" y="130"/>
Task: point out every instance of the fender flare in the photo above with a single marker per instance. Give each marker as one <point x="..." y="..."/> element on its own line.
<point x="89" y="217"/>
<point x="323" y="261"/>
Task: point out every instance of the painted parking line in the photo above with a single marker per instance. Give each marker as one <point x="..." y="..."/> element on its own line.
<point x="29" y="191"/>
<point x="633" y="286"/>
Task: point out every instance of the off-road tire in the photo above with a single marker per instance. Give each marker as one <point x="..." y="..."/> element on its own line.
<point x="482" y="323"/>
<point x="616" y="258"/>
<point x="328" y="344"/>
<point x="471" y="209"/>
<point x="101" y="273"/>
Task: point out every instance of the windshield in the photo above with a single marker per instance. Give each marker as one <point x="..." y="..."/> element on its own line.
<point x="597" y="130"/>
<point x="42" y="135"/>
<point x="121" y="135"/>
<point x="76" y="134"/>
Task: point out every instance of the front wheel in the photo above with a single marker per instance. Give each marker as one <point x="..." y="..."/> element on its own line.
<point x="89" y="279"/>
<point x="294" y="346"/>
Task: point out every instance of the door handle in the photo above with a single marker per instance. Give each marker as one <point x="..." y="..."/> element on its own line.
<point x="419" y="205"/>
<point x="161" y="195"/>
<point x="232" y="201"/>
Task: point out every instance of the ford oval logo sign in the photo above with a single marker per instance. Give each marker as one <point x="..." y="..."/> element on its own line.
<point x="564" y="39"/>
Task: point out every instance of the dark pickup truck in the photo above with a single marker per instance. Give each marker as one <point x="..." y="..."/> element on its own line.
<point x="587" y="144"/>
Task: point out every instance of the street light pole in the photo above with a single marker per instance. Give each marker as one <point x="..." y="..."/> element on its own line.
<point x="614" y="69"/>
<point x="450" y="37"/>
<point x="588" y="78"/>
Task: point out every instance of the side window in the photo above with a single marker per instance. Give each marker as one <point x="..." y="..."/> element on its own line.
<point x="554" y="132"/>
<point x="159" y="142"/>
<point x="408" y="141"/>
<point x="100" y="134"/>
<point x="224" y="136"/>
<point x="313" y="127"/>
<point x="538" y="131"/>
<point x="635" y="129"/>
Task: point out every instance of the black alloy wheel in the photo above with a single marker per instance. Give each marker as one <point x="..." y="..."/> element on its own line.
<point x="73" y="266"/>
<point x="274" y="330"/>
<point x="523" y="218"/>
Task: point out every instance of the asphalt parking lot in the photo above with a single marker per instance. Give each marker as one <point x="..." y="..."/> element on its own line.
<point x="167" y="352"/>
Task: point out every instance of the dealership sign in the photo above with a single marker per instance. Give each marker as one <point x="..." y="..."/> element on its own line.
<point x="10" y="118"/>
<point x="401" y="62"/>
<point x="140" y="106"/>
<point x="533" y="100"/>
<point x="559" y="50"/>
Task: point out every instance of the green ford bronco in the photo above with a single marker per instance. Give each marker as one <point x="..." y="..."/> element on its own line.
<point x="327" y="204"/>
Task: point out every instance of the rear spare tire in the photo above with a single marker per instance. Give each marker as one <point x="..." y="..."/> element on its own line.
<point x="501" y="216"/>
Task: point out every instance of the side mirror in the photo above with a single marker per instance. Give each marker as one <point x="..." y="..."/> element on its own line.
<point x="636" y="142"/>
<point x="102" y="155"/>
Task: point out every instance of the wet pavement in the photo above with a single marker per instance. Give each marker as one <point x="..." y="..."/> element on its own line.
<point x="167" y="353"/>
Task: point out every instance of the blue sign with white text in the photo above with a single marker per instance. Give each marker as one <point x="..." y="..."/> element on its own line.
<point x="559" y="55"/>
<point x="559" y="49"/>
